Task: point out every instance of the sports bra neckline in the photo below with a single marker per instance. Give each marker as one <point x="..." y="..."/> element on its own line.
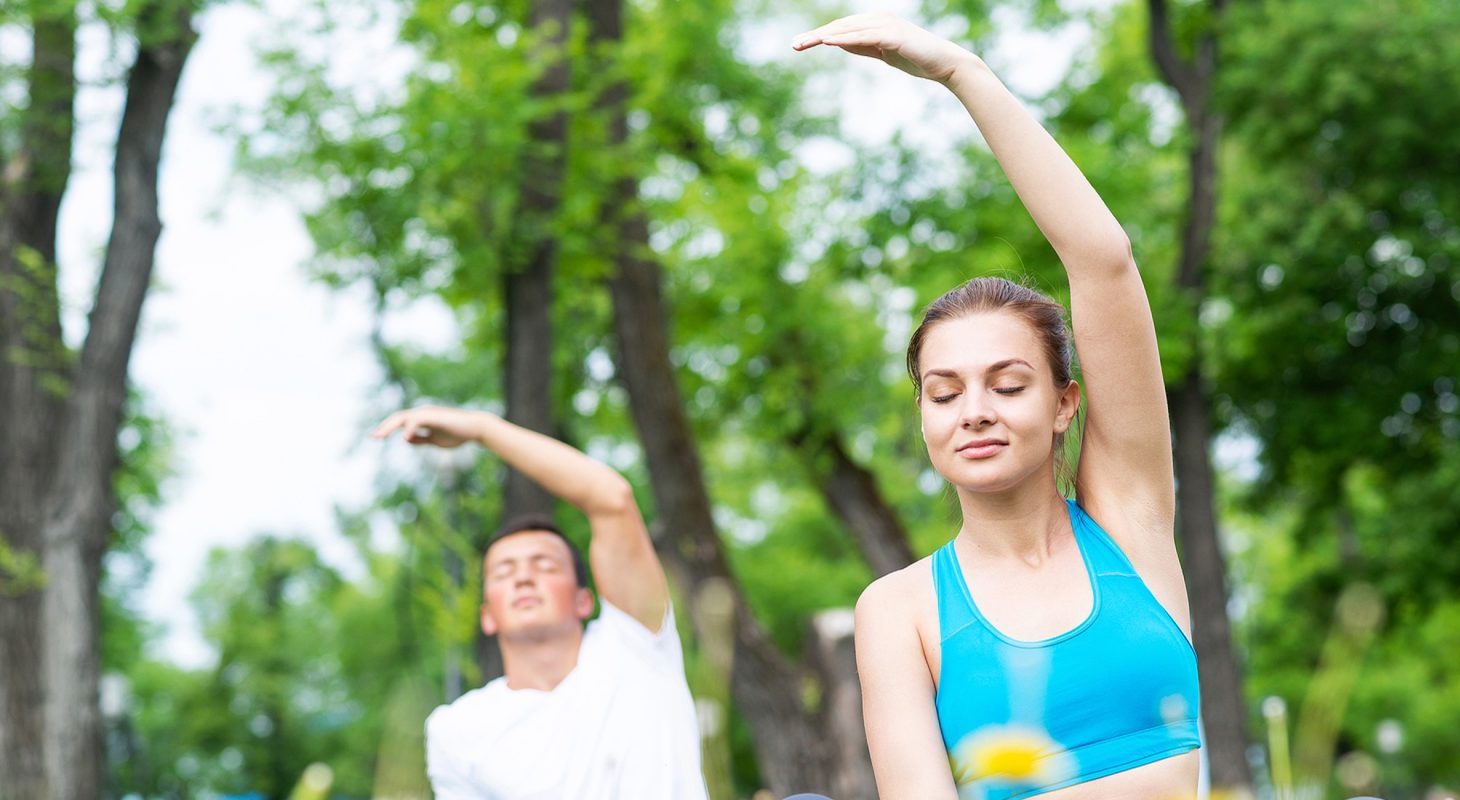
<point x="1073" y="511"/>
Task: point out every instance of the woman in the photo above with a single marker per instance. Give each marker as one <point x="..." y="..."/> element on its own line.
<point x="1044" y="650"/>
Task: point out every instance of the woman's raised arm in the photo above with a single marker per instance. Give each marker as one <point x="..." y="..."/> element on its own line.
<point x="1125" y="460"/>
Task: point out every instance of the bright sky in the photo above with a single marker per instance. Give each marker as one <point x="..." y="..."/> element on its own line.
<point x="266" y="376"/>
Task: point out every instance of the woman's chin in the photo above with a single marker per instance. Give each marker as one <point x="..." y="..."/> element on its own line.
<point x="988" y="479"/>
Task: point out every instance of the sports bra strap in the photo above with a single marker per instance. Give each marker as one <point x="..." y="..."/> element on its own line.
<point x="1106" y="557"/>
<point x="954" y="613"/>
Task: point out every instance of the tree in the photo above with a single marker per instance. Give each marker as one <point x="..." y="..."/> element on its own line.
<point x="1193" y="77"/>
<point x="61" y="411"/>
<point x="1337" y="283"/>
<point x="310" y="668"/>
<point x="527" y="280"/>
<point x="514" y="114"/>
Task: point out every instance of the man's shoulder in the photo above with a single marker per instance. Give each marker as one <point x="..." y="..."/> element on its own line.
<point x="463" y="711"/>
<point x="614" y="630"/>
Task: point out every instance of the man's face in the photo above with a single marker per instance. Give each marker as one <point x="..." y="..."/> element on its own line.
<point x="530" y="590"/>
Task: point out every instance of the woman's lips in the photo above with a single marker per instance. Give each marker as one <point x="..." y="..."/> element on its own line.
<point x="985" y="448"/>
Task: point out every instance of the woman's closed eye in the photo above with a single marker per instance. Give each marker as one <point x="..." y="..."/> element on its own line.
<point x="1009" y="389"/>
<point x="942" y="398"/>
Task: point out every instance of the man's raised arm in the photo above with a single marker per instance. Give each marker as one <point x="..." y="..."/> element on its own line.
<point x="625" y="567"/>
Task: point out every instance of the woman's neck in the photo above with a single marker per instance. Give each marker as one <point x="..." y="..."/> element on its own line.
<point x="1022" y="523"/>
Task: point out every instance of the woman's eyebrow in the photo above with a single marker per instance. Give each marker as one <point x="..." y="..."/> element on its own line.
<point x="939" y="373"/>
<point x="1006" y="363"/>
<point x="995" y="367"/>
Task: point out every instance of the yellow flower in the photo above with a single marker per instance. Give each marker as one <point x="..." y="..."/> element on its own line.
<point x="1014" y="753"/>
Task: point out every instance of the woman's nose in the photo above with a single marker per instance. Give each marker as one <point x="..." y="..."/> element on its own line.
<point x="975" y="412"/>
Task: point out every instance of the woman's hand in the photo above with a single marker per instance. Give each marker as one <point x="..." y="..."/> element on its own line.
<point x="896" y="41"/>
<point x="442" y="427"/>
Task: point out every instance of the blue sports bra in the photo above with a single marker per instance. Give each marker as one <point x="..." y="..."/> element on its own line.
<point x="1117" y="691"/>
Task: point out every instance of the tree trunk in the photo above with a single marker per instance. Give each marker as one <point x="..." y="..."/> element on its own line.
<point x="528" y="371"/>
<point x="851" y="491"/>
<point x="79" y="509"/>
<point x="32" y="390"/>
<point x="273" y="771"/>
<point x="792" y="752"/>
<point x="1223" y="705"/>
<point x="832" y="654"/>
<point x="527" y="285"/>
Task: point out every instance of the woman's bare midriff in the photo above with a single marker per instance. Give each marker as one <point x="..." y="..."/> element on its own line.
<point x="1171" y="778"/>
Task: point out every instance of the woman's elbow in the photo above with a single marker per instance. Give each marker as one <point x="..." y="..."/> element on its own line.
<point x="1111" y="254"/>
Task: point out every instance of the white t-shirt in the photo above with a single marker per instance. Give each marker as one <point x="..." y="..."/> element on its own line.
<point x="620" y="725"/>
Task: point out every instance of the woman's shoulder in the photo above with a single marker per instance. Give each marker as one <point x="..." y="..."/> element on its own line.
<point x="897" y="626"/>
<point x="899" y="594"/>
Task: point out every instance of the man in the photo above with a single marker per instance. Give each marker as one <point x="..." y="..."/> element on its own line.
<point x="601" y="713"/>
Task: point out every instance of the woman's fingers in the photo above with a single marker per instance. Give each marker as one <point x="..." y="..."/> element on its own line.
<point x="895" y="41"/>
<point x="862" y="38"/>
<point x="871" y="35"/>
<point x="837" y="27"/>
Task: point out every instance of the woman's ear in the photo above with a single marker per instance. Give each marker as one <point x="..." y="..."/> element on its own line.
<point x="1069" y="403"/>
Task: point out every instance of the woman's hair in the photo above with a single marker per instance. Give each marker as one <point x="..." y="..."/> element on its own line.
<point x="1041" y="313"/>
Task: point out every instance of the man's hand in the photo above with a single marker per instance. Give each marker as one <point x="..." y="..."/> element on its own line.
<point x="442" y="427"/>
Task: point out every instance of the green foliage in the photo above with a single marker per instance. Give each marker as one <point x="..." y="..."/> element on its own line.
<point x="1341" y="248"/>
<point x="311" y="668"/>
<point x="145" y="456"/>
<point x="20" y="571"/>
<point x="1339" y="265"/>
<point x="1296" y="567"/>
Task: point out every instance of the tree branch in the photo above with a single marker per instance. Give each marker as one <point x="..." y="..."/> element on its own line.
<point x="100" y="378"/>
<point x="1177" y="72"/>
<point x="32" y="353"/>
<point x="850" y="490"/>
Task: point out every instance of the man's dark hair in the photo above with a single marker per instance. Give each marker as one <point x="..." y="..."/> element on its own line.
<point x="535" y="523"/>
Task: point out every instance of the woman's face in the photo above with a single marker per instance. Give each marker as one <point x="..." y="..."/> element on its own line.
<point x="990" y="409"/>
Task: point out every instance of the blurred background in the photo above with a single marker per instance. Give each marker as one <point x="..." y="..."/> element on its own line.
<point x="235" y="233"/>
